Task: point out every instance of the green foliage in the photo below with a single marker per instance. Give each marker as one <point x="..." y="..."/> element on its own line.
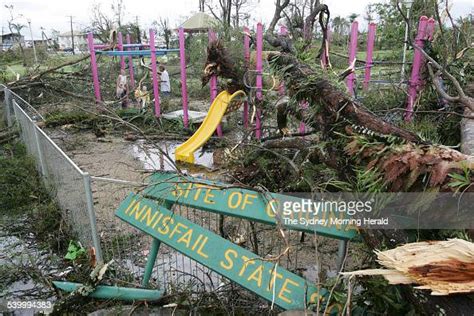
<point x="377" y="297"/>
<point x="461" y="181"/>
<point x="376" y="99"/>
<point x="22" y="194"/>
<point x="425" y="127"/>
<point x="10" y="56"/>
<point x="369" y="180"/>
<point x="19" y="186"/>
<point x="59" y="118"/>
<point x="74" y="251"/>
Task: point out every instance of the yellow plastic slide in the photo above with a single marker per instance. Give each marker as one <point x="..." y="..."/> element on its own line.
<point x="185" y="151"/>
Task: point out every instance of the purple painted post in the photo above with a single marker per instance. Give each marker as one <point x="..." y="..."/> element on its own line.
<point x="281" y="87"/>
<point x="247" y="65"/>
<point x="415" y="69"/>
<point x="259" y="79"/>
<point x="95" y="72"/>
<point x="352" y="55"/>
<point x="156" y="90"/>
<point x="370" y="51"/>
<point x="184" y="88"/>
<point x="120" y="47"/>
<point x="130" y="65"/>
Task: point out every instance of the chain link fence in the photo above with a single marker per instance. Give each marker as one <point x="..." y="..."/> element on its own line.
<point x="66" y="182"/>
<point x="88" y="205"/>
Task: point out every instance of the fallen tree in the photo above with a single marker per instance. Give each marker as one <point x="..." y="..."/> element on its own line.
<point x="350" y="138"/>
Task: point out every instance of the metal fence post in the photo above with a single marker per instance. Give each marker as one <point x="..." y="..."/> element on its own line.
<point x="91" y="211"/>
<point x="40" y="152"/>
<point x="8" y="100"/>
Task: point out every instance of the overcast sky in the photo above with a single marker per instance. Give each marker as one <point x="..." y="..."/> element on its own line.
<point x="53" y="14"/>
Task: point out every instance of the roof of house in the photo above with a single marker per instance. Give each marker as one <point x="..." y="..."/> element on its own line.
<point x="199" y="22"/>
<point x="9" y="34"/>
<point x="76" y="33"/>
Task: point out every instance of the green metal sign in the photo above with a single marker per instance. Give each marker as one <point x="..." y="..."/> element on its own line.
<point x="238" y="202"/>
<point x="260" y="276"/>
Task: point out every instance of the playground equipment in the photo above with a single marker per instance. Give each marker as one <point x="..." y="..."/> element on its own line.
<point x="152" y="52"/>
<point x="425" y="32"/>
<point x="185" y="152"/>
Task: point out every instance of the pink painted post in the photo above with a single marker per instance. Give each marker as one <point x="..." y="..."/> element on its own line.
<point x="156" y="90"/>
<point x="370" y="51"/>
<point x="184" y="88"/>
<point x="130" y="66"/>
<point x="95" y="72"/>
<point x="415" y="69"/>
<point x="352" y="55"/>
<point x="430" y="29"/>
<point x="281" y="87"/>
<point x="247" y="65"/>
<point x="259" y="79"/>
<point x="211" y="35"/>
<point x="120" y="47"/>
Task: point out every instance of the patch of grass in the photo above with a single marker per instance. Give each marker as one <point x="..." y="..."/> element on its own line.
<point x="19" y="187"/>
<point x="22" y="194"/>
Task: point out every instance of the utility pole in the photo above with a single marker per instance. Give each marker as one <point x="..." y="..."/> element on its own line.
<point x="138" y="39"/>
<point x="72" y="35"/>
<point x="33" y="42"/>
<point x="408" y="5"/>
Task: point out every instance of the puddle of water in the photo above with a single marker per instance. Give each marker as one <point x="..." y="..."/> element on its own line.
<point x="154" y="159"/>
<point x="160" y="157"/>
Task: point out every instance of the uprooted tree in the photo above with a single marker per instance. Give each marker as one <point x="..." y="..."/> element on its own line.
<point x="350" y="138"/>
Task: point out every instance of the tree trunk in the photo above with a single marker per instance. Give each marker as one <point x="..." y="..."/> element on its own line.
<point x="467" y="133"/>
<point x="329" y="104"/>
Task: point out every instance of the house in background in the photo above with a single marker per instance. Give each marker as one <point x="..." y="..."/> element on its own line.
<point x="9" y="39"/>
<point x="80" y="41"/>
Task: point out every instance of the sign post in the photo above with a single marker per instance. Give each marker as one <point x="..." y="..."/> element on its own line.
<point x="232" y="201"/>
<point x="263" y="277"/>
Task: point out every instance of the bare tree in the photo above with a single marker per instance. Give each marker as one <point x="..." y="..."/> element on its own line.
<point x="224" y="8"/>
<point x="315" y="7"/>
<point x="201" y="5"/>
<point x="369" y="13"/>
<point x="164" y="30"/>
<point x="101" y="23"/>
<point x="240" y="8"/>
<point x="118" y="10"/>
<point x="280" y="5"/>
<point x="15" y="28"/>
